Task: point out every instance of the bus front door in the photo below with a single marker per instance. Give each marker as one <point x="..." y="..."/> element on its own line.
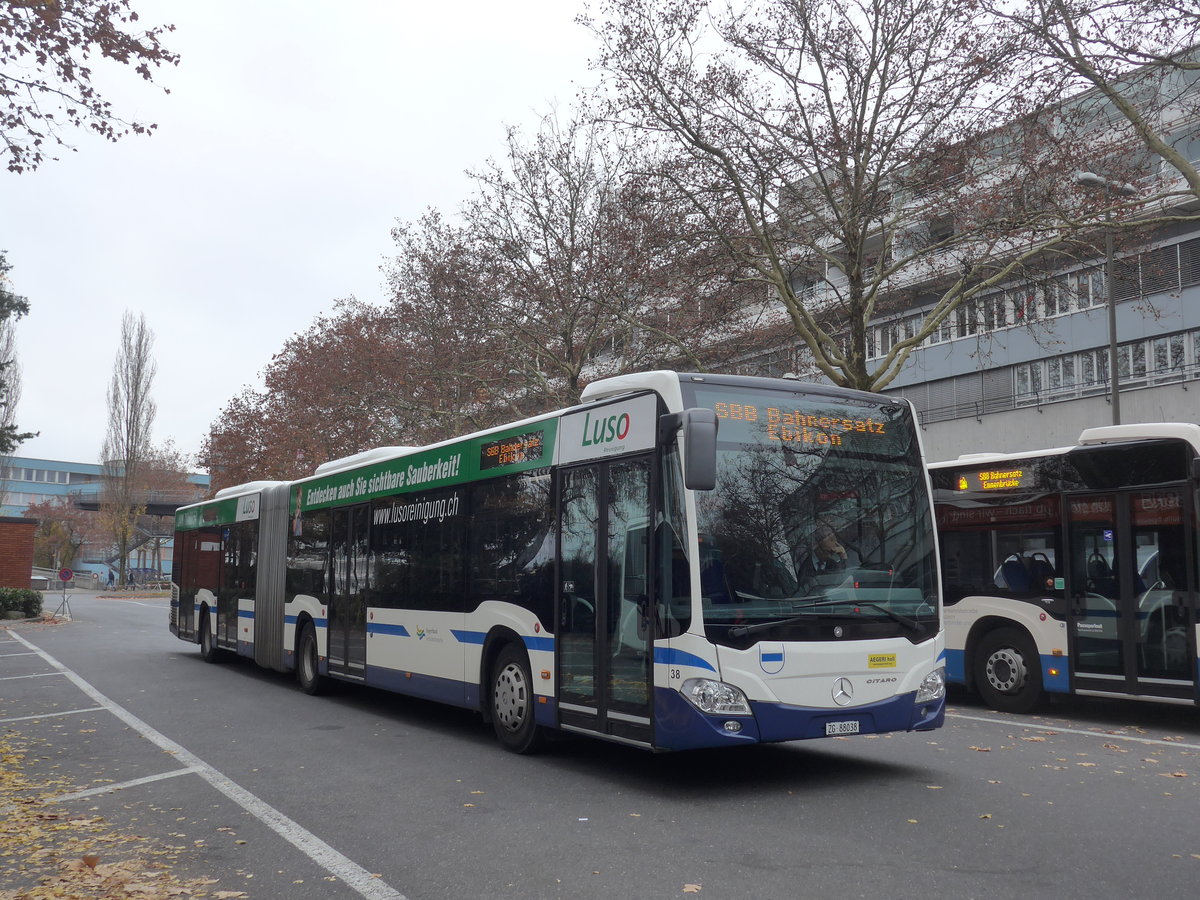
<point x="604" y="640"/>
<point x="1132" y="593"/>
<point x="347" y="594"/>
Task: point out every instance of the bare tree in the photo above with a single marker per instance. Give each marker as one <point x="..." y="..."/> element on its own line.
<point x="46" y="53"/>
<point x="565" y="267"/>
<point x="851" y="158"/>
<point x="131" y="412"/>
<point x="10" y="366"/>
<point x="1134" y="64"/>
<point x="12" y="307"/>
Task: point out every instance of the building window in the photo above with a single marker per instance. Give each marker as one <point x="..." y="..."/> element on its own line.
<point x="1024" y="305"/>
<point x="1088" y="287"/>
<point x="1167" y="354"/>
<point x="965" y="320"/>
<point x="1028" y="381"/>
<point x="1062" y="374"/>
<point x="1056" y="297"/>
<point x="1094" y="367"/>
<point x="1131" y="360"/>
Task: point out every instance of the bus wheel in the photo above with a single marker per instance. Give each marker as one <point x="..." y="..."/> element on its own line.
<point x="512" y="702"/>
<point x="308" y="672"/>
<point x="1008" y="672"/>
<point x="208" y="646"/>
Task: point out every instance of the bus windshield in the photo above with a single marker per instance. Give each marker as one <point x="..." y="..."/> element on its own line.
<point x="819" y="527"/>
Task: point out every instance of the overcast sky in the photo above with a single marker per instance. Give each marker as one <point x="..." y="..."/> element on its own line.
<point x="296" y="133"/>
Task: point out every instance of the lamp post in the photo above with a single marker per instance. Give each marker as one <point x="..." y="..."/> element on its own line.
<point x="1112" y="188"/>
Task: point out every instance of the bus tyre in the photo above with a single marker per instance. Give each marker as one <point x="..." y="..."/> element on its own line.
<point x="513" y="702"/>
<point x="308" y="672"/>
<point x="208" y="645"/>
<point x="1008" y="672"/>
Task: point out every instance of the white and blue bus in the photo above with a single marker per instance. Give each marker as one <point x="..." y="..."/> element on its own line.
<point x="1073" y="570"/>
<point x="634" y="568"/>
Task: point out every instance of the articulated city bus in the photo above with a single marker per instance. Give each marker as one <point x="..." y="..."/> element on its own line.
<point x="637" y="568"/>
<point x="1073" y="570"/>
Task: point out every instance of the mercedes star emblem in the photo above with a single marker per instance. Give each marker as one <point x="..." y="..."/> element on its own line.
<point x="843" y="691"/>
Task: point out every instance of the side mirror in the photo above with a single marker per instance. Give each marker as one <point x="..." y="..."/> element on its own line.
<point x="699" y="445"/>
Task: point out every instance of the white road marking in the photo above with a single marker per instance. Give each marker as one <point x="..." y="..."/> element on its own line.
<point x="51" y="715"/>
<point x="38" y="675"/>
<point x="337" y="864"/>
<point x="109" y="788"/>
<point x="1037" y="726"/>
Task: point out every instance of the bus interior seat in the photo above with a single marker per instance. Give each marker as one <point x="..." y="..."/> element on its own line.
<point x="1041" y="570"/>
<point x="1016" y="576"/>
<point x="1097" y="567"/>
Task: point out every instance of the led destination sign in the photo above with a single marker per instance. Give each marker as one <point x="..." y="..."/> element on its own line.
<point x="993" y="480"/>
<point x="801" y="422"/>
<point x="516" y="449"/>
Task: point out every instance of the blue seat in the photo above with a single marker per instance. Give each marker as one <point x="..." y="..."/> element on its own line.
<point x="1016" y="576"/>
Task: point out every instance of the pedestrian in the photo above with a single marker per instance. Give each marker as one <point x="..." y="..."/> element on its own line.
<point x="110" y="580"/>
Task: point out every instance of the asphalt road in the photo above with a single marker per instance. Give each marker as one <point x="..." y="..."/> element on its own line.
<point x="278" y="794"/>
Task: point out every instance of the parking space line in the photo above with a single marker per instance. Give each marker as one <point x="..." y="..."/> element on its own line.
<point x="51" y="715"/>
<point x="109" y="788"/>
<point x="7" y="655"/>
<point x="38" y="675"/>
<point x="321" y="853"/>
<point x="1037" y="726"/>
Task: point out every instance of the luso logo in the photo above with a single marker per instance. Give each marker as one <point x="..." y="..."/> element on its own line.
<point x="603" y="431"/>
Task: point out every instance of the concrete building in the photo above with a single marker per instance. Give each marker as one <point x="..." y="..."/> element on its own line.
<point x="25" y="481"/>
<point x="1026" y="365"/>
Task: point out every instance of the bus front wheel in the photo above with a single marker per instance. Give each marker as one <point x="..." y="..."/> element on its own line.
<point x="308" y="671"/>
<point x="513" y="702"/>
<point x="1008" y="672"/>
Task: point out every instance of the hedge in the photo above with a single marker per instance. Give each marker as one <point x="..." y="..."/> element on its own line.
<point x="22" y="600"/>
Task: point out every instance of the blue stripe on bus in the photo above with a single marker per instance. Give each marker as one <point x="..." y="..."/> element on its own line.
<point x="468" y="637"/>
<point x="381" y="628"/>
<point x="539" y="643"/>
<point x="772" y="657"/>
<point x="669" y="656"/>
<point x="245" y="614"/>
<point x="292" y="620"/>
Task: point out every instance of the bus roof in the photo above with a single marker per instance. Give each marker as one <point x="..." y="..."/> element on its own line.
<point x="1102" y="434"/>
<point x="1107" y="434"/>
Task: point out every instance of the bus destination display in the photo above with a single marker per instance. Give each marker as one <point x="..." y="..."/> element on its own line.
<point x="508" y="451"/>
<point x="992" y="480"/>
<point x="792" y="426"/>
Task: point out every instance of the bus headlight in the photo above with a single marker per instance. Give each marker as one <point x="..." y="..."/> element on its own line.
<point x="933" y="686"/>
<point x="716" y="697"/>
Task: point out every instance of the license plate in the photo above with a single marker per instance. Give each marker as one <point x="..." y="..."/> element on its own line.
<point x="834" y="728"/>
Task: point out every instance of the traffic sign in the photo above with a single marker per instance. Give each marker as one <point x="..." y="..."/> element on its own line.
<point x="65" y="574"/>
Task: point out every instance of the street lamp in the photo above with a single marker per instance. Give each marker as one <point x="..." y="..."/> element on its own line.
<point x="1113" y="188"/>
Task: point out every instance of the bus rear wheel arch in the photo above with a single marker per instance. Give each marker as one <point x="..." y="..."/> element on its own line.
<point x="1007" y="670"/>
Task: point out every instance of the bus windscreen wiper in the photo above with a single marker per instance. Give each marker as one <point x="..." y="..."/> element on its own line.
<point x="911" y="624"/>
